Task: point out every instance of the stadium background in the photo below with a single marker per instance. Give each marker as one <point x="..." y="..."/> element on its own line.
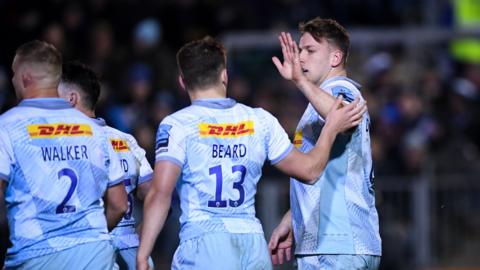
<point x="419" y="76"/>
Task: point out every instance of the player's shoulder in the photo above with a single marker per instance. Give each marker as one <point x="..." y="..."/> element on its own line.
<point x="252" y="110"/>
<point x="113" y="132"/>
<point x="19" y="113"/>
<point x="9" y="115"/>
<point x="344" y="86"/>
<point x="186" y="114"/>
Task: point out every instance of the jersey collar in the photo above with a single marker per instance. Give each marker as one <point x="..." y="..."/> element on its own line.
<point x="215" y="103"/>
<point x="340" y="78"/>
<point x="99" y="121"/>
<point x="46" y="103"/>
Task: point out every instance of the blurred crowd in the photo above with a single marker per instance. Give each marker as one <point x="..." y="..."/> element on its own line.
<point x="424" y="106"/>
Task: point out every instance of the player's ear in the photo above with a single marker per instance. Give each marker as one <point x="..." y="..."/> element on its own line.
<point x="224" y="77"/>
<point x="27" y="79"/>
<point x="73" y="98"/>
<point x="336" y="58"/>
<point x="181" y="82"/>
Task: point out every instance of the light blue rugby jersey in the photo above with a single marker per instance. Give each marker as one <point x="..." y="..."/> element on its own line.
<point x="221" y="147"/>
<point x="57" y="164"/>
<point x="337" y="215"/>
<point x="138" y="171"/>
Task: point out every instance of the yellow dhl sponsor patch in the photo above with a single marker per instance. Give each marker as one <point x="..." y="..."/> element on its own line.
<point x="119" y="145"/>
<point x="228" y="130"/>
<point x="297" y="139"/>
<point x="59" y="130"/>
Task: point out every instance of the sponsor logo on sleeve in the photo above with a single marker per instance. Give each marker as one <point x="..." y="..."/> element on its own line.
<point x="59" y="130"/>
<point x="225" y="130"/>
<point x="297" y="139"/>
<point x="119" y="145"/>
<point x="163" y="136"/>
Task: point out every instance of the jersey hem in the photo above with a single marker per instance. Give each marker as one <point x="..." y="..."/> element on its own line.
<point x="171" y="159"/>
<point x="145" y="178"/>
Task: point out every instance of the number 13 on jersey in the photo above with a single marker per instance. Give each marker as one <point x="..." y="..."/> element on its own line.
<point x="218" y="202"/>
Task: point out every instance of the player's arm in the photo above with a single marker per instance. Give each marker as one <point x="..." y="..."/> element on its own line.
<point x="308" y="167"/>
<point x="156" y="207"/>
<point x="291" y="70"/>
<point x="115" y="197"/>
<point x="145" y="169"/>
<point x="144" y="179"/>
<point x="116" y="204"/>
<point x="142" y="190"/>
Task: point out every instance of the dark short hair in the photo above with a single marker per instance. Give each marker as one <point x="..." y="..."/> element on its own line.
<point x="200" y="62"/>
<point x="83" y="77"/>
<point x="43" y="53"/>
<point x="331" y="31"/>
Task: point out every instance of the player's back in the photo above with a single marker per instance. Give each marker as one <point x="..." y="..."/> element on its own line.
<point x="57" y="171"/>
<point x="221" y="147"/>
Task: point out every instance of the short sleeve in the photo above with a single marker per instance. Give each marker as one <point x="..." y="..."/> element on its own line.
<point x="116" y="174"/>
<point x="170" y="142"/>
<point x="6" y="155"/>
<point x="279" y="145"/>
<point x="340" y="88"/>
<point x="145" y="172"/>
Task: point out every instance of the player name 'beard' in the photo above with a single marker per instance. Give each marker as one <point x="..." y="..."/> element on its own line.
<point x="228" y="151"/>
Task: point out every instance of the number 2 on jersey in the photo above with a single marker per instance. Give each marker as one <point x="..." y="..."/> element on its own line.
<point x="63" y="207"/>
<point x="218" y="202"/>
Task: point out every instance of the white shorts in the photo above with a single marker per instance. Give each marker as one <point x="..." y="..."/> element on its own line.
<point x="220" y="251"/>
<point x="92" y="256"/>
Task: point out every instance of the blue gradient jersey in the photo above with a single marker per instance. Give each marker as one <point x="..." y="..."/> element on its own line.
<point x="138" y="171"/>
<point x="221" y="146"/>
<point x="337" y="215"/>
<point x="57" y="164"/>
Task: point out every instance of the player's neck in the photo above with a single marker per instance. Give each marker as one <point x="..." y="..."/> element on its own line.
<point x="334" y="73"/>
<point x="208" y="93"/>
<point x="40" y="93"/>
<point x="88" y="113"/>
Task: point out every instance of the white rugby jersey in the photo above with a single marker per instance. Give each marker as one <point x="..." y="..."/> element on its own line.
<point x="221" y="147"/>
<point x="138" y="171"/>
<point x="57" y="164"/>
<point x="337" y="215"/>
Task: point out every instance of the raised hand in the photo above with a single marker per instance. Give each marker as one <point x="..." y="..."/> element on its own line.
<point x="291" y="68"/>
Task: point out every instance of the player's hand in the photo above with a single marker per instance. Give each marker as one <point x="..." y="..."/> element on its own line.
<point x="290" y="69"/>
<point x="343" y="118"/>
<point x="280" y="245"/>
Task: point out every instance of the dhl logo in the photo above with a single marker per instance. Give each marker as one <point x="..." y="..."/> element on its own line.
<point x="119" y="145"/>
<point x="229" y="130"/>
<point x="58" y="130"/>
<point x="297" y="139"/>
